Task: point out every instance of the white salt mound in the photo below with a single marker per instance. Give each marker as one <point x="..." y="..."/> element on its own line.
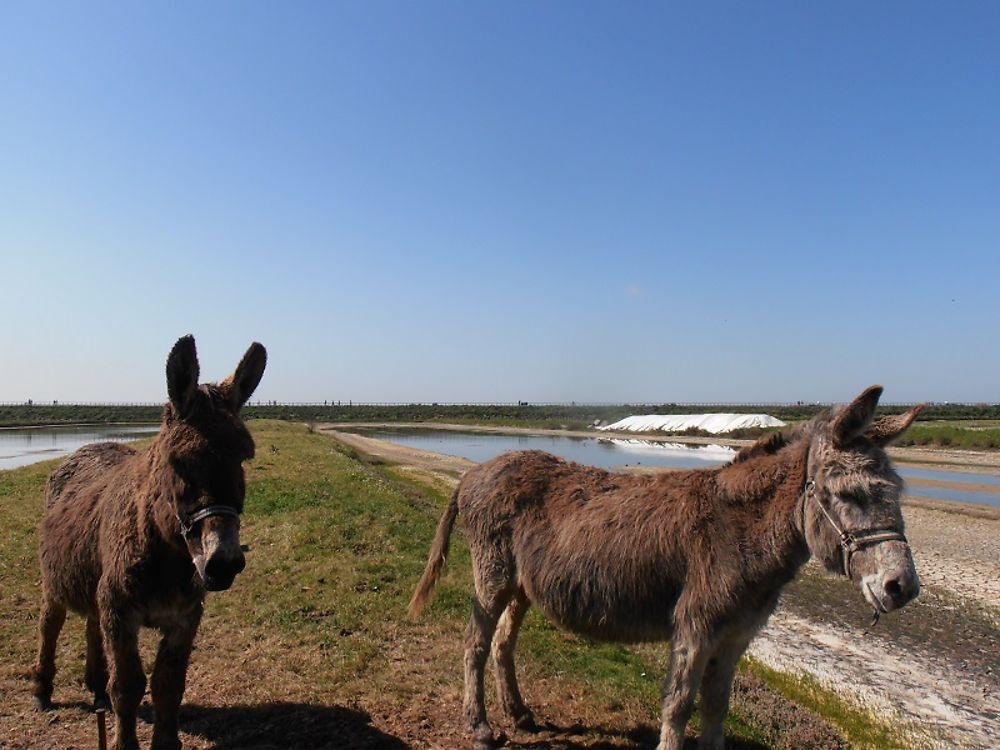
<point x="715" y="424"/>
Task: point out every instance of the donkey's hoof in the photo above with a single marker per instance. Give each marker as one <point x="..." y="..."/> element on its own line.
<point x="526" y="722"/>
<point x="483" y="739"/>
<point x="163" y="743"/>
<point x="41" y="703"/>
<point x="102" y="703"/>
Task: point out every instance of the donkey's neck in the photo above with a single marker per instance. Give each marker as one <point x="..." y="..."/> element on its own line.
<point x="162" y="493"/>
<point x="767" y="491"/>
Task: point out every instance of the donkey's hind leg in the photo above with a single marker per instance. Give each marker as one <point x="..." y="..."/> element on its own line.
<point x="494" y="589"/>
<point x="96" y="671"/>
<point x="53" y="616"/>
<point x="504" y="643"/>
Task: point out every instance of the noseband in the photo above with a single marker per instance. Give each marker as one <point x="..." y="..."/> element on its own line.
<point x="189" y="520"/>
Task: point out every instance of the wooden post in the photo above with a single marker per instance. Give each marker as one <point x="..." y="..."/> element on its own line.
<point x="102" y="731"/>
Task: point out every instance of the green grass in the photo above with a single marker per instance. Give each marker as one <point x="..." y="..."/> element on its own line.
<point x="857" y="726"/>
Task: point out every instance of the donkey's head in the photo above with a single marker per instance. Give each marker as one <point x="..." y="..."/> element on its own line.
<point x="851" y="514"/>
<point x="206" y="442"/>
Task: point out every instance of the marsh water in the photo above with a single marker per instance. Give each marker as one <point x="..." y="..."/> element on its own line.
<point x="608" y="453"/>
<point x="27" y="445"/>
<point x="615" y="453"/>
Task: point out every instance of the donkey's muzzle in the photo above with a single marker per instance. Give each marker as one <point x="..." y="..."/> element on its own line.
<point x="221" y="571"/>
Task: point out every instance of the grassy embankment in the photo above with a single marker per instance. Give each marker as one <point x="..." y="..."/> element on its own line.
<point x="312" y="648"/>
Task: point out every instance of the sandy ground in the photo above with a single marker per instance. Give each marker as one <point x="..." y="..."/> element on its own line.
<point x="934" y="666"/>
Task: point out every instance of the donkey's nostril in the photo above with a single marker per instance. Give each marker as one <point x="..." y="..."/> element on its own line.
<point x="893" y="589"/>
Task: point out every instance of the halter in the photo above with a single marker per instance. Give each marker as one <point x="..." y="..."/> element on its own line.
<point x="188" y="520"/>
<point x="850" y="541"/>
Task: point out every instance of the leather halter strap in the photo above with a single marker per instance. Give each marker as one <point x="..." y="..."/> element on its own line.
<point x="852" y="541"/>
<point x="188" y="520"/>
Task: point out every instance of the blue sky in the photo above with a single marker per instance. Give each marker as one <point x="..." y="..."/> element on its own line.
<point x="499" y="201"/>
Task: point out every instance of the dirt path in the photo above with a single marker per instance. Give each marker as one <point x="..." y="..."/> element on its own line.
<point x="945" y="708"/>
<point x="449" y="468"/>
<point x="957" y="554"/>
<point x="936" y="668"/>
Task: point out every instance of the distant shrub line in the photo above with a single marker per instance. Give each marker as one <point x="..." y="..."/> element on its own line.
<point x="567" y="416"/>
<point x="948" y="436"/>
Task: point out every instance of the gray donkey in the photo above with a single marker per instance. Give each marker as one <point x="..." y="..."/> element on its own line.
<point x="696" y="557"/>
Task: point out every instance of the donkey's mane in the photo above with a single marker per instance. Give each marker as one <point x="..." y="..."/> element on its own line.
<point x="771" y="444"/>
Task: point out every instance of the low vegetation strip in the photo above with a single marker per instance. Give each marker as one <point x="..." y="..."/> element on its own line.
<point x="952" y="436"/>
<point x="311" y="647"/>
<point x="572" y="416"/>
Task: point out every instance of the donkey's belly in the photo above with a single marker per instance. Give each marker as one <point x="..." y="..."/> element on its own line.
<point x="606" y="609"/>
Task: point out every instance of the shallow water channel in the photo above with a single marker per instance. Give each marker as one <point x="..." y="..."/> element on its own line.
<point x="614" y="453"/>
<point x="21" y="446"/>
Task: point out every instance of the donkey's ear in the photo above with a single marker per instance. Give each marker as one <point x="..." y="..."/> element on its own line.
<point x="182" y="374"/>
<point x="852" y="420"/>
<point x="887" y="429"/>
<point x="239" y="386"/>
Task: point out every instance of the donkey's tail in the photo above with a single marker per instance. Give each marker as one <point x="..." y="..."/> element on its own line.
<point x="436" y="561"/>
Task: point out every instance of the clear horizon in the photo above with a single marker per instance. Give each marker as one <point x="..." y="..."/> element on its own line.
<point x="491" y="203"/>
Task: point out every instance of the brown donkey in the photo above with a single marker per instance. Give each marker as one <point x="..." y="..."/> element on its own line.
<point x="696" y="557"/>
<point x="134" y="539"/>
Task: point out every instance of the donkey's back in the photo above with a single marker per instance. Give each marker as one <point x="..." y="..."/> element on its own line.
<point x="88" y="468"/>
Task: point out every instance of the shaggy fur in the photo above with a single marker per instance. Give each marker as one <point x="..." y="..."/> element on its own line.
<point x="111" y="547"/>
<point x="698" y="557"/>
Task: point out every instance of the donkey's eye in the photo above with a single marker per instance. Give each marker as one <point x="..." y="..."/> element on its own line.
<point x="853" y="498"/>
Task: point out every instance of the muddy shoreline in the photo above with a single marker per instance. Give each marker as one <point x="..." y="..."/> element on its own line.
<point x="934" y="666"/>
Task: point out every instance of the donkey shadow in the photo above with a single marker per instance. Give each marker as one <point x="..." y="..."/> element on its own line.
<point x="552" y="736"/>
<point x="285" y="726"/>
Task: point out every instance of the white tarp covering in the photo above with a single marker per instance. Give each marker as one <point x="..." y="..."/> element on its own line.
<point x="715" y="424"/>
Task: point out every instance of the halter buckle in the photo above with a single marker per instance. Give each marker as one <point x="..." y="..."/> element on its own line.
<point x="849" y="541"/>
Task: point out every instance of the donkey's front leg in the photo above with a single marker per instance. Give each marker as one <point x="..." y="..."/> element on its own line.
<point x="120" y="627"/>
<point x="688" y="657"/>
<point x="169" y="674"/>
<point x="716" y="687"/>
